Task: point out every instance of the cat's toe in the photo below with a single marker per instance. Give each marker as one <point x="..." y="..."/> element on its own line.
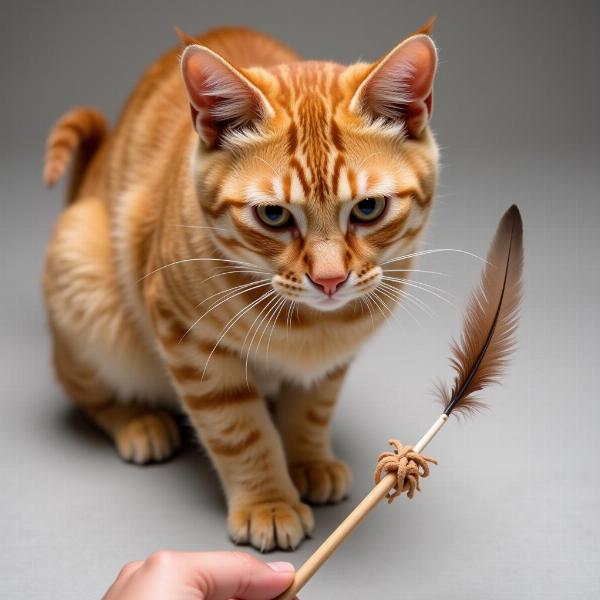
<point x="322" y="482"/>
<point x="148" y="438"/>
<point x="271" y="525"/>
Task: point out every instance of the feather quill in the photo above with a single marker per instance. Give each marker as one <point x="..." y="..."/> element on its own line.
<point x="481" y="354"/>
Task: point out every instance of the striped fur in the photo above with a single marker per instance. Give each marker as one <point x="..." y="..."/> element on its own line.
<point x="164" y="290"/>
<point x="79" y="132"/>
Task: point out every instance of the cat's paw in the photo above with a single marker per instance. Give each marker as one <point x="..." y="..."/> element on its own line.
<point x="151" y="437"/>
<point x="270" y="525"/>
<point x="322" y="482"/>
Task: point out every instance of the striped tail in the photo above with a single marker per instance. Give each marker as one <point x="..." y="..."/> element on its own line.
<point x="79" y="132"/>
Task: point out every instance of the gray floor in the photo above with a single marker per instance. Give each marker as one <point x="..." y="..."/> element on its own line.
<point x="512" y="509"/>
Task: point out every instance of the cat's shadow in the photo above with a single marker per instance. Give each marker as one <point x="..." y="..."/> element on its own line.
<point x="191" y="462"/>
<point x="192" y="467"/>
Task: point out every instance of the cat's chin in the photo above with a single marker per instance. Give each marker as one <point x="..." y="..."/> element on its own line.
<point x="329" y="303"/>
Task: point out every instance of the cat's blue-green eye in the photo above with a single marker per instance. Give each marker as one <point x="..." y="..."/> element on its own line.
<point x="274" y="216"/>
<point x="368" y="210"/>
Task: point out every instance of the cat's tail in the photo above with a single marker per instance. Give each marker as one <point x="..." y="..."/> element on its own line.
<point x="79" y="132"/>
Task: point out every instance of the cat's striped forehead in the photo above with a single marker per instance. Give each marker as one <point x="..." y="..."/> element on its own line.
<point x="319" y="158"/>
<point x="310" y="95"/>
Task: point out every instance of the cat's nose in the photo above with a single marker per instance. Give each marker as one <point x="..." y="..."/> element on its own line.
<point x="329" y="285"/>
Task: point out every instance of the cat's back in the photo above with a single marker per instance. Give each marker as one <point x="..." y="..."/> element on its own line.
<point x="155" y="123"/>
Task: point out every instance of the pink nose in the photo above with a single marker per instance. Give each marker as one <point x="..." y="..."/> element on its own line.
<point x="329" y="285"/>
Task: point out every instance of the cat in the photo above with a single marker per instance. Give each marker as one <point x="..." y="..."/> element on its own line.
<point x="205" y="264"/>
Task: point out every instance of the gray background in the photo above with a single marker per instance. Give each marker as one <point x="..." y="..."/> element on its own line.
<point x="512" y="510"/>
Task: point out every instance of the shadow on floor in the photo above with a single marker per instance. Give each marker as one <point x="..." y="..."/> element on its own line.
<point x="190" y="466"/>
<point x="191" y="469"/>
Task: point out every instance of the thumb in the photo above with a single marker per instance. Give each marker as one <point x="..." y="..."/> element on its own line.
<point x="224" y="575"/>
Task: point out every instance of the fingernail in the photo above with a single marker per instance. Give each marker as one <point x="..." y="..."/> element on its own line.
<point x="282" y="567"/>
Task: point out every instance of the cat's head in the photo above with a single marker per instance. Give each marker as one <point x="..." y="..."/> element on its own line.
<point x="315" y="172"/>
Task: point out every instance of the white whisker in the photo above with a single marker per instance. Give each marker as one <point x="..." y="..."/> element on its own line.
<point x="263" y="309"/>
<point x="410" y="298"/>
<point x="281" y="305"/>
<point x="231" y="289"/>
<point x="363" y="305"/>
<point x="422" y="284"/>
<point x="232" y="322"/>
<point x="201" y="227"/>
<point x="379" y="303"/>
<point x="413" y="284"/>
<point x="364" y="160"/>
<point x="268" y="165"/>
<point x="213" y="306"/>
<point x="414" y="271"/>
<point x="233" y="273"/>
<point x="287" y="319"/>
<point x="189" y="260"/>
<point x="368" y="302"/>
<point x="270" y="315"/>
<point x="432" y="251"/>
<point x="398" y="303"/>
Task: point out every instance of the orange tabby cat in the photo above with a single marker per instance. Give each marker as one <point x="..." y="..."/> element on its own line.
<point x="207" y="264"/>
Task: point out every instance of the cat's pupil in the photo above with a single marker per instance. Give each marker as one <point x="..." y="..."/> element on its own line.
<point x="273" y="213"/>
<point x="367" y="206"/>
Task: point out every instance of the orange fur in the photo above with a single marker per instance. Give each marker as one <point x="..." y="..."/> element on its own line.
<point x="164" y="290"/>
<point x="80" y="132"/>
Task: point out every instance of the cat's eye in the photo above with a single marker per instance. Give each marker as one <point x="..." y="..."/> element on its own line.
<point x="274" y="216"/>
<point x="368" y="210"/>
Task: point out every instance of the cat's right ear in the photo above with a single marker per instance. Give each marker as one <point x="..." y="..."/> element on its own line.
<point x="399" y="87"/>
<point x="221" y="98"/>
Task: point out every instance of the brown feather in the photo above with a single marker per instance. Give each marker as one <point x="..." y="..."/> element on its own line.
<point x="488" y="337"/>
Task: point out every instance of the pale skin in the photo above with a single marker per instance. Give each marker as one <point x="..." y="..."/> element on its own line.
<point x="169" y="575"/>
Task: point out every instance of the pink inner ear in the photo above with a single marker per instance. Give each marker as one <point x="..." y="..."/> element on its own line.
<point x="220" y="97"/>
<point x="400" y="87"/>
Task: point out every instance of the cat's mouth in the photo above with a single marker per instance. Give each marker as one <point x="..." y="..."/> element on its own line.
<point x="354" y="288"/>
<point x="329" y="303"/>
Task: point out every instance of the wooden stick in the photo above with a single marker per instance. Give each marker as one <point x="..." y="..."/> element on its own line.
<point x="351" y="522"/>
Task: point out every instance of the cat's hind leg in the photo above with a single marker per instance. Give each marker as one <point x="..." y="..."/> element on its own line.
<point x="98" y="356"/>
<point x="141" y="434"/>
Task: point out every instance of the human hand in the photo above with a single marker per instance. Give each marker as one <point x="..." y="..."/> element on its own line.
<point x="169" y="575"/>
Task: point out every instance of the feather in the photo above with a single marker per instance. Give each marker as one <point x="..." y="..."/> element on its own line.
<point x="488" y="337"/>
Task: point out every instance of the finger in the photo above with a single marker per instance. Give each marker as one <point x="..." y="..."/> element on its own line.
<point x="122" y="578"/>
<point x="129" y="569"/>
<point x="224" y="575"/>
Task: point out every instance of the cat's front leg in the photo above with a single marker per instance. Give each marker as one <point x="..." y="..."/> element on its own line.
<point x="303" y="419"/>
<point x="234" y="424"/>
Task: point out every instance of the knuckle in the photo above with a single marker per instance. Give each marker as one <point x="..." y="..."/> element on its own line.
<point x="161" y="559"/>
<point x="247" y="567"/>
<point x="241" y="566"/>
<point x="129" y="568"/>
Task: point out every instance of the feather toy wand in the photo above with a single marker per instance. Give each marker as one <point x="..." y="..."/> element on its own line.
<point x="478" y="359"/>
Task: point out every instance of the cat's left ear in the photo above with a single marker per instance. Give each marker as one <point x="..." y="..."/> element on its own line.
<point x="400" y="85"/>
<point x="221" y="98"/>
